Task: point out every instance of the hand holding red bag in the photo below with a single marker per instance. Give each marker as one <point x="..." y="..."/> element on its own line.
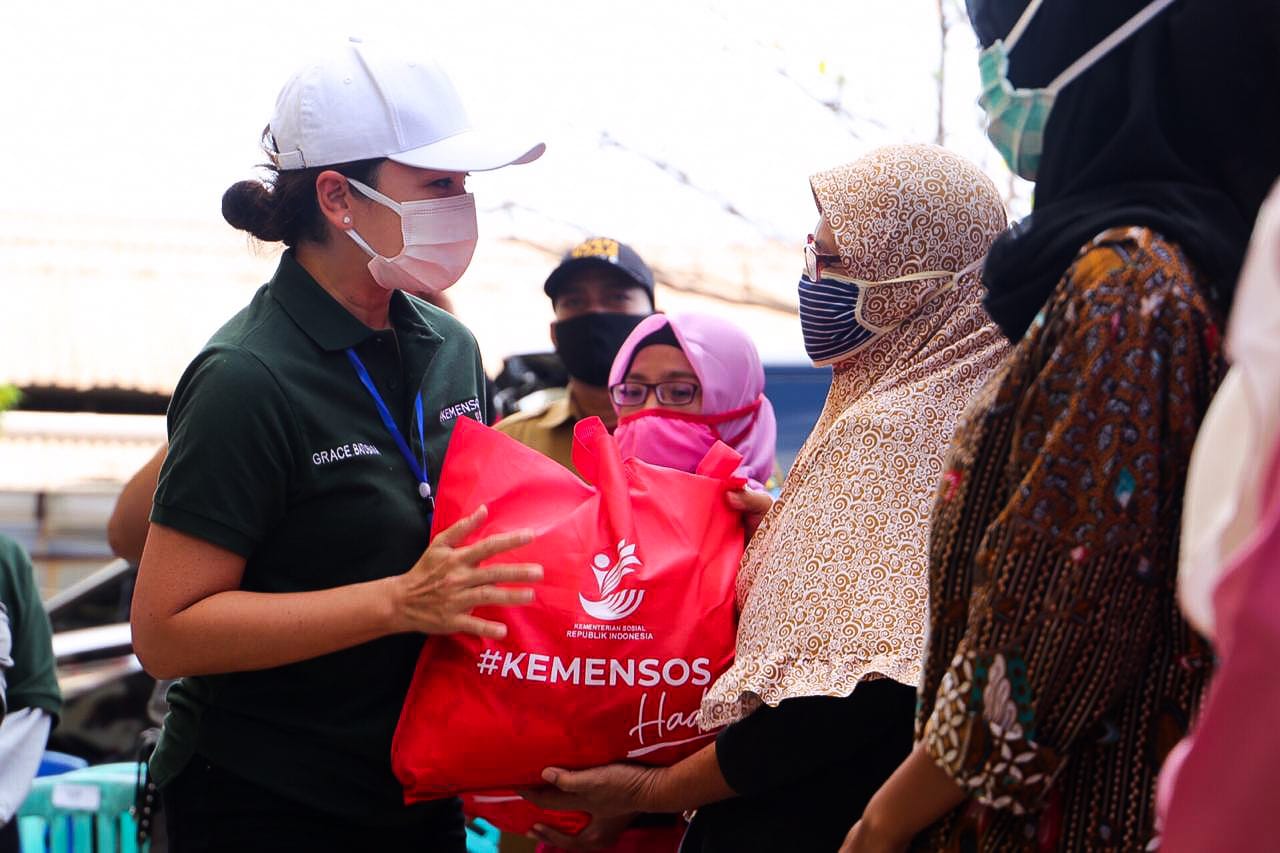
<point x="633" y="621"/>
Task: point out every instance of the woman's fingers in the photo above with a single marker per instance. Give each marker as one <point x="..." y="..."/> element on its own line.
<point x="549" y="835"/>
<point x="552" y="798"/>
<point x="502" y="573"/>
<point x="555" y="838"/>
<point x="493" y="545"/>
<point x="570" y="781"/>
<point x="467" y="624"/>
<point x="461" y="529"/>
<point x="745" y="500"/>
<point x="489" y="596"/>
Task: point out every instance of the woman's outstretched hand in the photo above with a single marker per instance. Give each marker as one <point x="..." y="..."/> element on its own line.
<point x="437" y="595"/>
<point x="607" y="791"/>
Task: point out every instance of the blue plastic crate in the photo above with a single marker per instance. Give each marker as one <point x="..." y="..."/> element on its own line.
<point x="55" y="763"/>
<point x="482" y="837"/>
<point x="82" y="811"/>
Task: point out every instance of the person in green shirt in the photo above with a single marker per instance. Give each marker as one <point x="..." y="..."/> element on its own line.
<point x="289" y="576"/>
<point x="30" y="700"/>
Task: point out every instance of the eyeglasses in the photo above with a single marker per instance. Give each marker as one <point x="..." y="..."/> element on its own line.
<point x="814" y="260"/>
<point x="674" y="393"/>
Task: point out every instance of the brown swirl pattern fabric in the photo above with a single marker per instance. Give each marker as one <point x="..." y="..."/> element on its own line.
<point x="1060" y="672"/>
<point x="834" y="587"/>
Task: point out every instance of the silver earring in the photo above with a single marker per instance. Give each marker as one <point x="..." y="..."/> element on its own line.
<point x="346" y="220"/>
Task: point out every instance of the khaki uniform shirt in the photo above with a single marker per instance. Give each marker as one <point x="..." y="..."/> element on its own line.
<point x="548" y="430"/>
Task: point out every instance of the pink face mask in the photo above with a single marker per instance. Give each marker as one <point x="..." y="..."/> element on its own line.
<point x="675" y="439"/>
<point x="439" y="240"/>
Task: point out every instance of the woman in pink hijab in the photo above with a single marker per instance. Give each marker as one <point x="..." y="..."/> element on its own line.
<point x="680" y="383"/>
<point x="833" y="590"/>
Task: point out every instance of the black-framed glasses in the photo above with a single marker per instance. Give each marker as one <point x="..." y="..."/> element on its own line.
<point x="673" y="393"/>
<point x="814" y="261"/>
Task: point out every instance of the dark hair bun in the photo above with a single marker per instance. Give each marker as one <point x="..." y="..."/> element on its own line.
<point x="251" y="206"/>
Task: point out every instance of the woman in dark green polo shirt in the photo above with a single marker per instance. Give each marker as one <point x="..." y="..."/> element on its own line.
<point x="287" y="578"/>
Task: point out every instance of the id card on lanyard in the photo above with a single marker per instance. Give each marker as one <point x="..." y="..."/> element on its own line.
<point x="416" y="465"/>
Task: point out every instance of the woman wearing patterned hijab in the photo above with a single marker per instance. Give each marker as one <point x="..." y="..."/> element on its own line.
<point x="833" y="589"/>
<point x="1059" y="672"/>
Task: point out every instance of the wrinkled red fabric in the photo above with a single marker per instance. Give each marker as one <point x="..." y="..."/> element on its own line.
<point x="634" y="620"/>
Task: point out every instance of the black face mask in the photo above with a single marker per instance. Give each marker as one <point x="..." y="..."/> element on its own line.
<point x="588" y="344"/>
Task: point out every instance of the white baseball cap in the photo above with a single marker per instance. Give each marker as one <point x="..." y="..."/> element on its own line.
<point x="362" y="103"/>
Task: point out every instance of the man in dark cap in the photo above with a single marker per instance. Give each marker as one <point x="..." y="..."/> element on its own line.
<point x="600" y="292"/>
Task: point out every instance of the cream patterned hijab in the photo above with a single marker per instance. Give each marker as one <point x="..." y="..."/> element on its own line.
<point x="834" y="586"/>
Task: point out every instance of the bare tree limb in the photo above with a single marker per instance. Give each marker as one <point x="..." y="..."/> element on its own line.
<point x="944" y="30"/>
<point x="835" y="105"/>
<point x="681" y="177"/>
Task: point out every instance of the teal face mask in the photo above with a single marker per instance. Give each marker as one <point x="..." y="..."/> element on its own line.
<point x="1016" y="118"/>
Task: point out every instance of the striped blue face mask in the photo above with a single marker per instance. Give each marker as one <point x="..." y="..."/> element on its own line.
<point x="833" y="310"/>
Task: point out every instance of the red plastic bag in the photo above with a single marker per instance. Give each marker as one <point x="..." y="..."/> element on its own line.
<point x="633" y="621"/>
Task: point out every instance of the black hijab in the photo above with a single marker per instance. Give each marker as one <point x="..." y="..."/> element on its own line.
<point x="1178" y="129"/>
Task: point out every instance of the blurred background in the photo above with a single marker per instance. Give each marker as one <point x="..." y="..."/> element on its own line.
<point x="686" y="128"/>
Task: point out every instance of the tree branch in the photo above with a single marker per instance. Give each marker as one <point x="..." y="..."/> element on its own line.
<point x="944" y="30"/>
<point x="681" y="177"/>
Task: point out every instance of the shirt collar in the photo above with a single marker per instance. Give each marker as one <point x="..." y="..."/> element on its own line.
<point x="560" y="412"/>
<point x="323" y="318"/>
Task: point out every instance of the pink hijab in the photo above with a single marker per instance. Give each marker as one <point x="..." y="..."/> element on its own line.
<point x="731" y="375"/>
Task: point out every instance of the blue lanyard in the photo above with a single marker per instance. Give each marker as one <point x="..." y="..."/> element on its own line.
<point x="419" y="468"/>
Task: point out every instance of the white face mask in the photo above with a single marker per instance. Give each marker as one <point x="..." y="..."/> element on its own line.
<point x="439" y="240"/>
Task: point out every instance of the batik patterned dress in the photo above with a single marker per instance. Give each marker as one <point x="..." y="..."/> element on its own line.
<point x="1059" y="672"/>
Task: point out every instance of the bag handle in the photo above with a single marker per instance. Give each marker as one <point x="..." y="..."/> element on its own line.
<point x="720" y="463"/>
<point x="586" y="455"/>
<point x="596" y="456"/>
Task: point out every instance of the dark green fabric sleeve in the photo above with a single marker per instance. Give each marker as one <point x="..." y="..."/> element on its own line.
<point x="32" y="682"/>
<point x="227" y="475"/>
